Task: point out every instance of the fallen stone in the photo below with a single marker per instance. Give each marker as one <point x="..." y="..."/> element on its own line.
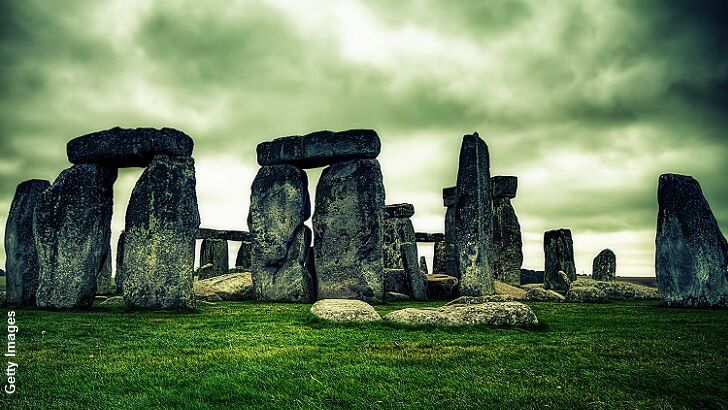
<point x="559" y="253"/>
<point x="279" y="206"/>
<point x="72" y="230"/>
<point x="227" y="287"/>
<point x="348" y="229"/>
<point x="245" y="256"/>
<point x="510" y="290"/>
<point x="429" y="237"/>
<point x="475" y="300"/>
<point x="441" y="287"/>
<point x="320" y="148"/>
<point x="691" y="261"/>
<point x="396" y="297"/>
<point x="21" y="279"/>
<point x="215" y="253"/>
<point x="586" y="294"/>
<point x="344" y="311"/>
<point x="439" y="264"/>
<point x="228" y="235"/>
<point x="539" y="294"/>
<point x="122" y="147"/>
<point x="500" y="314"/>
<point x="159" y="248"/>
<point x="504" y="186"/>
<point x="604" y="266"/>
<point x="399" y="211"/>
<point x="616" y="290"/>
<point x="113" y="301"/>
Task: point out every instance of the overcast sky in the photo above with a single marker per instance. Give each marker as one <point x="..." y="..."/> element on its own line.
<point x="587" y="102"/>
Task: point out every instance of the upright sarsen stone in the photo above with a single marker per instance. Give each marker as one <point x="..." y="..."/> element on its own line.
<point x="159" y="246"/>
<point x="691" y="260"/>
<point x="72" y="229"/>
<point x="244" y="258"/>
<point x="22" y="257"/>
<point x="439" y="263"/>
<point x="473" y="219"/>
<point x="119" y="279"/>
<point x="559" y="254"/>
<point x="347" y="225"/>
<point x="507" y="243"/>
<point x="279" y="206"/>
<point x="449" y="198"/>
<point x="214" y="252"/>
<point x="398" y="230"/>
<point x="604" y="266"/>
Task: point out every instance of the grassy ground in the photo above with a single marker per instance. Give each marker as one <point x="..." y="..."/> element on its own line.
<point x="254" y="355"/>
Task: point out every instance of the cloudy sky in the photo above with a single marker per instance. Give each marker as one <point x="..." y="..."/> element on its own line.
<point x="587" y="102"/>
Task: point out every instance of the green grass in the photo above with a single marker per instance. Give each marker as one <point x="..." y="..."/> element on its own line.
<point x="255" y="355"/>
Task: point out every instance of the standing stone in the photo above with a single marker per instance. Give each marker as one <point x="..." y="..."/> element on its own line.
<point x="398" y="230"/>
<point x="417" y="279"/>
<point x="438" y="259"/>
<point x="72" y="229"/>
<point x="22" y="256"/>
<point x="691" y="260"/>
<point x="120" y="262"/>
<point x="104" y="281"/>
<point x="159" y="248"/>
<point x="449" y="199"/>
<point x="348" y="228"/>
<point x="473" y="219"/>
<point x="559" y="253"/>
<point x="507" y="242"/>
<point x="604" y="266"/>
<point x="214" y="252"/>
<point x="279" y="206"/>
<point x="245" y="254"/>
<point x="423" y="266"/>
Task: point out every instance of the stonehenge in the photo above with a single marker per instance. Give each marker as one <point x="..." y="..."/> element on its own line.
<point x="320" y="148"/>
<point x="559" y="269"/>
<point x="507" y="243"/>
<point x="215" y="253"/>
<point x="604" y="266"/>
<point x="402" y="272"/>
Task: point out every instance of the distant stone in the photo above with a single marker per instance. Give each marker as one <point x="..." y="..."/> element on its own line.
<point x="214" y="252"/>
<point x="417" y="280"/>
<point x="21" y="281"/>
<point x="449" y="200"/>
<point x="347" y="222"/>
<point x="429" y="237"/>
<point x="120" y="263"/>
<point x="475" y="300"/>
<point x="691" y="261"/>
<point x="510" y="290"/>
<point x="227" y="287"/>
<point x="279" y="206"/>
<point x="507" y="242"/>
<point x="397" y="231"/>
<point x="320" y="148"/>
<point x="113" y="301"/>
<point x="423" y="266"/>
<point x="504" y="186"/>
<point x="245" y="255"/>
<point x="344" y="311"/>
<point x="122" y="147"/>
<point x="399" y="211"/>
<point x="539" y="294"/>
<point x="474" y="219"/>
<point x="559" y="253"/>
<point x="616" y="290"/>
<point x="159" y="248"/>
<point x="449" y="196"/>
<point x="438" y="258"/>
<point x="104" y="282"/>
<point x="499" y="314"/>
<point x="441" y="287"/>
<point x="72" y="229"/>
<point x="587" y="294"/>
<point x="531" y="276"/>
<point x="228" y="235"/>
<point x="604" y="266"/>
<point x="396" y="297"/>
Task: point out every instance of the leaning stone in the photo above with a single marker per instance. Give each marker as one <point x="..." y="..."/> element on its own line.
<point x="399" y="211"/>
<point x="320" y="148"/>
<point x="559" y="251"/>
<point x="122" y="147"/>
<point x="474" y="300"/>
<point x="539" y="294"/>
<point x="348" y="229"/>
<point x="417" y="281"/>
<point x="504" y="186"/>
<point x="228" y="287"/>
<point x="120" y="263"/>
<point x="604" y="266"/>
<point x="473" y="219"/>
<point x="506" y="289"/>
<point x="691" y="261"/>
<point x="438" y="258"/>
<point x="587" y="294"/>
<point x="396" y="297"/>
<point x="441" y="287"/>
<point x="344" y="311"/>
<point x="245" y="255"/>
<point x="423" y="266"/>
<point x="72" y="230"/>
<point x="499" y="314"/>
<point x="279" y="206"/>
<point x="21" y="279"/>
<point x="214" y="252"/>
<point x="507" y="242"/>
<point x="159" y="248"/>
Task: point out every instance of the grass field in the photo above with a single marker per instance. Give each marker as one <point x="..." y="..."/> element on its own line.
<point x="255" y="355"/>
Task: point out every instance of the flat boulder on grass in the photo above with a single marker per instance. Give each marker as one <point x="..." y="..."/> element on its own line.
<point x="539" y="294"/>
<point x="231" y="287"/>
<point x="345" y="311"/>
<point x="500" y="314"/>
<point x="586" y="294"/>
<point x="619" y="290"/>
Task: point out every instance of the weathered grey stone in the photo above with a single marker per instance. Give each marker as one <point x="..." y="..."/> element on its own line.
<point x="214" y="252"/>
<point x="615" y="290"/>
<point x="228" y="235"/>
<point x="396" y="280"/>
<point x="507" y="243"/>
<point x="429" y="237"/>
<point x="245" y="255"/>
<point x="586" y="294"/>
<point x="449" y="196"/>
<point x="119" y="279"/>
<point x="279" y="206"/>
<point x="515" y="292"/>
<point x="539" y="294"/>
<point x="473" y="219"/>
<point x="104" y="281"/>
<point x="449" y="200"/>
<point x="397" y="231"/>
<point x="417" y="281"/>
<point x="230" y="287"/>
<point x="531" y="276"/>
<point x="21" y="281"/>
<point x="691" y="260"/>
<point x="320" y="148"/>
<point x="311" y="268"/>
<point x="559" y="252"/>
<point x="423" y="266"/>
<point x="403" y="210"/>
<point x="500" y="314"/>
<point x="604" y="266"/>
<point x="344" y="311"/>
<point x="72" y="230"/>
<point x="122" y="147"/>
<point x="349" y="234"/>
<point x="504" y="186"/>
<point x="159" y="248"/>
<point x="441" y="287"/>
<point x="439" y="264"/>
